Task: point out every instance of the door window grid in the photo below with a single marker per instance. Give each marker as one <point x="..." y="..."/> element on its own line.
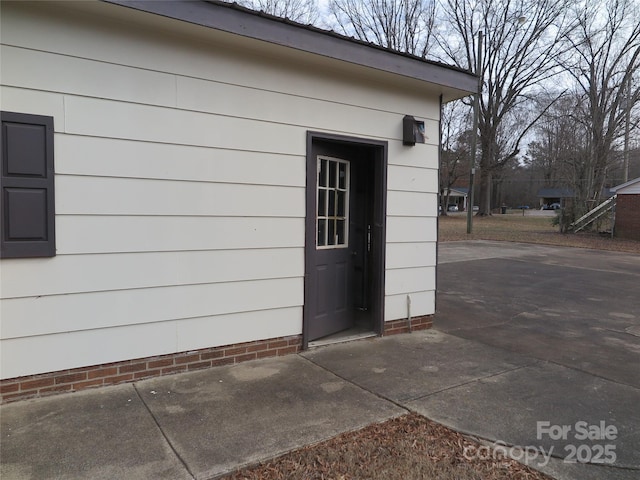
<point x="332" y="199"/>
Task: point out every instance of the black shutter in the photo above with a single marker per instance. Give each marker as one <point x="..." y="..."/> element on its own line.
<point x="27" y="202"/>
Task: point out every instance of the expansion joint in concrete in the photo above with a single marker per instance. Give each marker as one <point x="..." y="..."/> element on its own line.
<point x="164" y="435"/>
<point x="376" y="394"/>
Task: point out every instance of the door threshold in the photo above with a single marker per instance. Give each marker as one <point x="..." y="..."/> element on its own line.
<point x="341" y="337"/>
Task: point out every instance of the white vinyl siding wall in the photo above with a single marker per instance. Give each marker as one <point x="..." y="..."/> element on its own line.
<point x="180" y="187"/>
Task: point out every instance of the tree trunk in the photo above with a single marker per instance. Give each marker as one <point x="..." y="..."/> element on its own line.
<point x="485" y="192"/>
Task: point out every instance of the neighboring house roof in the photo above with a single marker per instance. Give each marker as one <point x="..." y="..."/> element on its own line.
<point x="458" y="192"/>
<point x="625" y="185"/>
<point x="232" y="18"/>
<point x="555" y="193"/>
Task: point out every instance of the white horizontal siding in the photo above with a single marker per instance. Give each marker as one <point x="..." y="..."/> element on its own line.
<point x="104" y="118"/>
<point x="419" y="155"/>
<point x="117" y="196"/>
<point x="96" y="156"/>
<point x="410" y="255"/>
<point x="228" y="128"/>
<point x="214" y="56"/>
<point x="411" y="245"/>
<point x="39" y="70"/>
<point x="35" y="103"/>
<point x="422" y="303"/>
<point x="214" y="97"/>
<point x="412" y="204"/>
<point x="71" y="349"/>
<point x="406" y="280"/>
<point x="145" y="305"/>
<point x="121" y="234"/>
<point x="237" y="328"/>
<point x="65" y="274"/>
<point x="63" y="350"/>
<point x="412" y="179"/>
<point x="411" y="229"/>
<point x="181" y="173"/>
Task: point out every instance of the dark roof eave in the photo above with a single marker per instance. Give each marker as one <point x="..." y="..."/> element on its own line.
<point x="237" y="20"/>
<point x="555" y="193"/>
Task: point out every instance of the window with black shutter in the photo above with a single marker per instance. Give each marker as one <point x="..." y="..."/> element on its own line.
<point x="27" y="207"/>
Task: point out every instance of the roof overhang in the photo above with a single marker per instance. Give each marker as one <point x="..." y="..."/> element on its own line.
<point x="625" y="185"/>
<point x="452" y="82"/>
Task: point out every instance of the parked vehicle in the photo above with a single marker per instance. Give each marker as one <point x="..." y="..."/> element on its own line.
<point x="452" y="208"/>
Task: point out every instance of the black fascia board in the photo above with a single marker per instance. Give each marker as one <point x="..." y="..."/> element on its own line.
<point x="234" y="19"/>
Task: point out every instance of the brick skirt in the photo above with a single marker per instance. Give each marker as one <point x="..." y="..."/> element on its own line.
<point x="32" y="386"/>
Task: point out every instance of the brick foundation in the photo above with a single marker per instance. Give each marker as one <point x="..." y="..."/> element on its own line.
<point x="32" y="386"/>
<point x="51" y="383"/>
<point x="402" y="326"/>
<point x="628" y="216"/>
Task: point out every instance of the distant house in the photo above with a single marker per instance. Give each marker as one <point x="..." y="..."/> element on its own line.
<point x="189" y="183"/>
<point x="550" y="196"/>
<point x="627" y="219"/>
<point x="458" y="197"/>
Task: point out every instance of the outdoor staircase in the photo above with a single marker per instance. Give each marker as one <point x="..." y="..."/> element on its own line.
<point x="593" y="215"/>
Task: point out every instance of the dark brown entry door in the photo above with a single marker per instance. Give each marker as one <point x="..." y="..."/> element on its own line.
<point x="333" y="267"/>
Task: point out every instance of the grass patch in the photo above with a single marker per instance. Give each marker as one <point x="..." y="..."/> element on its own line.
<point x="530" y="228"/>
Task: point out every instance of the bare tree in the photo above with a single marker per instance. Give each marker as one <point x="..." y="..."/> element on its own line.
<point x="402" y="25"/>
<point x="605" y="65"/>
<point x="556" y="156"/>
<point x="521" y="45"/>
<point x="302" y="11"/>
<point x="455" y="124"/>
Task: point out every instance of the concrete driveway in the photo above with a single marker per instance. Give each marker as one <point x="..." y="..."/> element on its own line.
<point x="575" y="314"/>
<point x="534" y="346"/>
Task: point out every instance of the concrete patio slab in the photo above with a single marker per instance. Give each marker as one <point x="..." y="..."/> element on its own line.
<point x="560" y="470"/>
<point x="522" y="334"/>
<point x="507" y="407"/>
<point x="97" y="434"/>
<point x="404" y="367"/>
<point x="222" y="418"/>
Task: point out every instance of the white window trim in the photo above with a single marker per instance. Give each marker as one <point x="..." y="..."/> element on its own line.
<point x="347" y="191"/>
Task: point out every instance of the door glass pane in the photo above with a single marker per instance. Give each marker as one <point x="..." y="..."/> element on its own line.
<point x="343" y="176"/>
<point x="322" y="175"/>
<point x="332" y="203"/>
<point x="332" y="233"/>
<point x="332" y="174"/>
<point x="341" y="203"/>
<point x="322" y="232"/>
<point x="340" y="232"/>
<point x="322" y="203"/>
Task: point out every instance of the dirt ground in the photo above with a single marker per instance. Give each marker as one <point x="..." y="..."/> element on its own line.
<point x="411" y="446"/>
